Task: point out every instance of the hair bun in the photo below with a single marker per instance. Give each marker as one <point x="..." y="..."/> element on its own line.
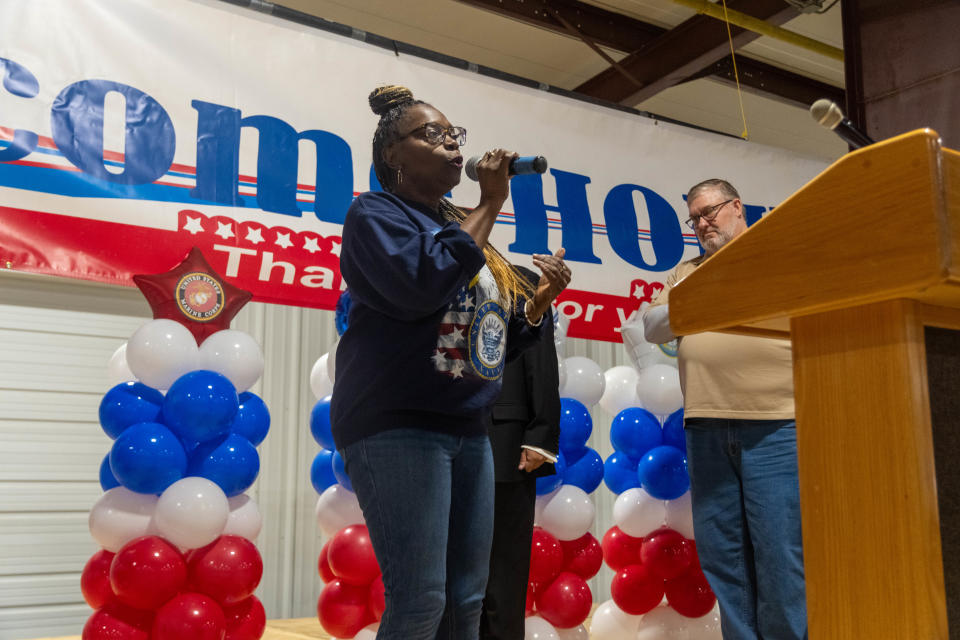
<point x="383" y="99"/>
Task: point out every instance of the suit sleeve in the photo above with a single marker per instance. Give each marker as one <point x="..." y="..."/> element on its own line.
<point x="399" y="269"/>
<point x="543" y="381"/>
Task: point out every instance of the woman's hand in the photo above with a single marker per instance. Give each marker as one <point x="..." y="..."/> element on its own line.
<point x="554" y="278"/>
<point x="493" y="173"/>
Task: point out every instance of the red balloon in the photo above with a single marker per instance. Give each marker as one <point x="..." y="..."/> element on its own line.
<point x="344" y="608"/>
<point x="245" y="620"/>
<point x="566" y="602"/>
<point x="667" y="553"/>
<point x="189" y="615"/>
<point x="351" y="556"/>
<point x="619" y="549"/>
<point x="147" y="572"/>
<point x="95" y="580"/>
<point x="582" y="556"/>
<point x="117" y="622"/>
<point x="690" y="594"/>
<point x="531" y="608"/>
<point x="378" y="600"/>
<point x="228" y="569"/>
<point x="546" y="557"/>
<point x="636" y="590"/>
<point x="323" y="564"/>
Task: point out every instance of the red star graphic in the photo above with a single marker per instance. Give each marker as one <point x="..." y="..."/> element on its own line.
<point x="194" y="295"/>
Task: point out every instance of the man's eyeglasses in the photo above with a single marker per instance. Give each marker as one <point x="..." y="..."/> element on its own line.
<point x="436" y="134"/>
<point x="707" y="213"/>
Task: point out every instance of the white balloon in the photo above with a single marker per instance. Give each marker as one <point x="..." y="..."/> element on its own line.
<point x="337" y="508"/>
<point x="369" y="632"/>
<point x="637" y="513"/>
<point x="680" y="515"/>
<point x="192" y="512"/>
<point x="320" y="383"/>
<point x="610" y="622"/>
<point x="117" y="369"/>
<point x="540" y="504"/>
<point x="620" y="389"/>
<point x="234" y="354"/>
<point x="536" y="628"/>
<point x="658" y="388"/>
<point x="560" y="325"/>
<point x="585" y="380"/>
<point x="573" y="633"/>
<point x="119" y="516"/>
<point x="569" y="513"/>
<point x="332" y="361"/>
<point x="561" y="373"/>
<point x="705" y="627"/>
<point x="161" y="351"/>
<point x="662" y="623"/>
<point x="244" y="519"/>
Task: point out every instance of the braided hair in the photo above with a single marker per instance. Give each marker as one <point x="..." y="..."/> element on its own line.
<point x="391" y="102"/>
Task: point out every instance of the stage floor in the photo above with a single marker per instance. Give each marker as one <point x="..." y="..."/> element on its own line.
<point x="290" y="629"/>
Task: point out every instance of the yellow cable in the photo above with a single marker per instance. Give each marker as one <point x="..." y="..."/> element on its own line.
<point x="745" y="135"/>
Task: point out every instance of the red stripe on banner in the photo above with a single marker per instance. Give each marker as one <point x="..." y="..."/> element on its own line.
<point x="275" y="264"/>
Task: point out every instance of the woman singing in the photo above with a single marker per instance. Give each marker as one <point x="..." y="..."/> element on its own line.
<point x="434" y="319"/>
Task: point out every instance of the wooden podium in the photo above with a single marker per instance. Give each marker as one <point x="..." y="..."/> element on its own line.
<point x="861" y="270"/>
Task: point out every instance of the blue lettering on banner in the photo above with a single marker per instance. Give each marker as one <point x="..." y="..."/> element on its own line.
<point x="531" y="215"/>
<point x="19" y="82"/>
<point x="77" y="122"/>
<point x="665" y="233"/>
<point x="218" y="163"/>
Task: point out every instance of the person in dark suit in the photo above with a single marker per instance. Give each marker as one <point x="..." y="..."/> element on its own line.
<point x="524" y="434"/>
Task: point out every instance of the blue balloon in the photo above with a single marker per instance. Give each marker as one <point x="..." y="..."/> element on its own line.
<point x="200" y="406"/>
<point x="575" y="426"/>
<point x="620" y="472"/>
<point x="548" y="484"/>
<point x="673" y="434"/>
<point x="129" y="403"/>
<point x="663" y="473"/>
<point x="320" y="423"/>
<point x="339" y="471"/>
<point x="321" y="471"/>
<point x="253" y="419"/>
<point x="586" y="473"/>
<point x="635" y="431"/>
<point x="230" y="461"/>
<point x="147" y="458"/>
<point x="107" y="480"/>
<point x="342" y="314"/>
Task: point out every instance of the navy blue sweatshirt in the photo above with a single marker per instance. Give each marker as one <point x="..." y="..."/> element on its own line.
<point x="427" y="337"/>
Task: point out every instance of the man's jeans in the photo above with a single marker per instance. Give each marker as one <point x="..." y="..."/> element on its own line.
<point x="746" y="519"/>
<point x="428" y="502"/>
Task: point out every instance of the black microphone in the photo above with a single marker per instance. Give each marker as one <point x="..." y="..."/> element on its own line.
<point x="827" y="113"/>
<point x="518" y="166"/>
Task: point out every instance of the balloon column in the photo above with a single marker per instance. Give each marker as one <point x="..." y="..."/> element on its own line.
<point x="658" y="590"/>
<point x="352" y="600"/>
<point x="564" y="554"/>
<point x="175" y="527"/>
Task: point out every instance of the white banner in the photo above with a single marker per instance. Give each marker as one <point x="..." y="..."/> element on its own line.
<point x="133" y="130"/>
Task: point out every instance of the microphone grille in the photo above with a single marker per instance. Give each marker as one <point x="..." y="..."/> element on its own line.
<point x="826" y="112"/>
<point x="471" y="168"/>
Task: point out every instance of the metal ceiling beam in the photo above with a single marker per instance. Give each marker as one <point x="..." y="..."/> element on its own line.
<point x="622" y="33"/>
<point x="681" y="52"/>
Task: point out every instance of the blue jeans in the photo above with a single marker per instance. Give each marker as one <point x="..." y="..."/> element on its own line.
<point x="746" y="519"/>
<point x="427" y="499"/>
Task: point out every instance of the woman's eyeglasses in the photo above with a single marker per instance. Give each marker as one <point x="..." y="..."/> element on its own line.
<point x="436" y="134"/>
